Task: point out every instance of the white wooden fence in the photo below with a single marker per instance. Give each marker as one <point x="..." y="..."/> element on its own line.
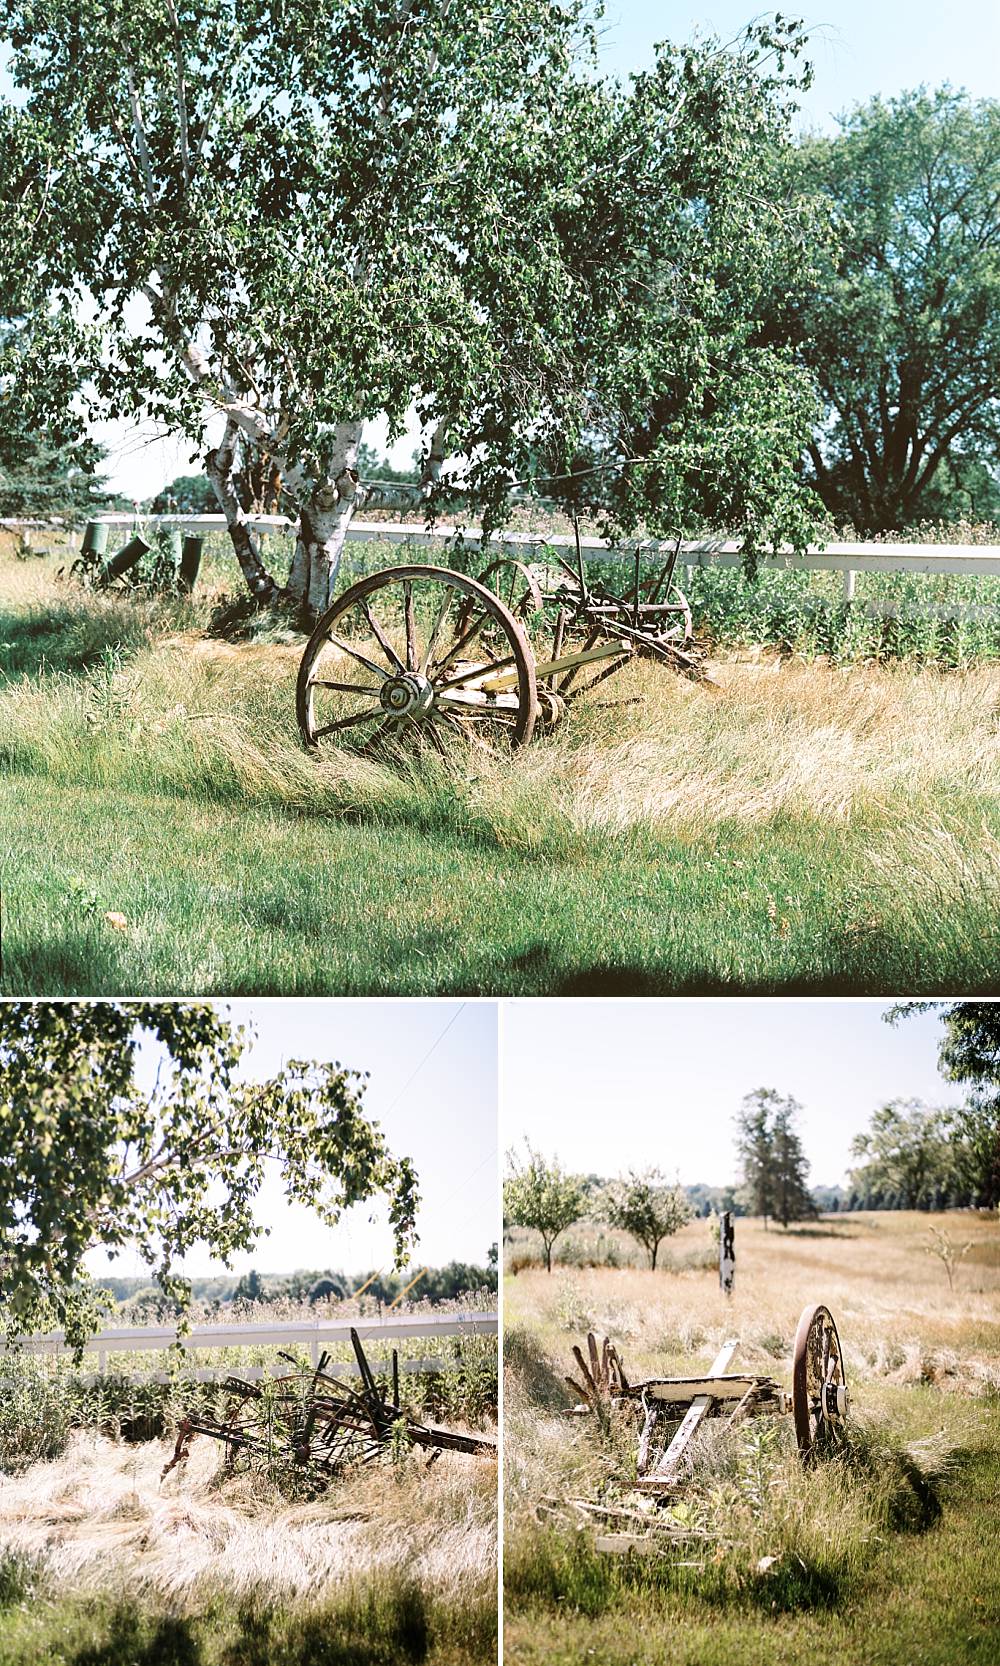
<point x="847" y="559"/>
<point x="313" y="1335"/>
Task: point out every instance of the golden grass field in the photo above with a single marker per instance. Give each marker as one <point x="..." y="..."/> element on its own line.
<point x="886" y="1546"/>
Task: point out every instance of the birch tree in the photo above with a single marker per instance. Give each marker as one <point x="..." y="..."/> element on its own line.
<point x="91" y="1155"/>
<point x="289" y="217"/>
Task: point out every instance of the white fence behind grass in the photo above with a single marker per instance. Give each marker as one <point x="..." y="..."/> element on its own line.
<point x="313" y="1335"/>
<point x="979" y="560"/>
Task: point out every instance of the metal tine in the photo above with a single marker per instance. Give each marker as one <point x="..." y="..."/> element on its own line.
<point x="595" y="1362"/>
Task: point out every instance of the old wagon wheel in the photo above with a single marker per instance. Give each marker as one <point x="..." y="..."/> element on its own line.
<point x="416" y="653"/>
<point x="819" y="1386"/>
<point x="515" y="585"/>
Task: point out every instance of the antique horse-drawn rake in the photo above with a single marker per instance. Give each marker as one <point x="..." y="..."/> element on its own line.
<point x="669" y="1411"/>
<point x="424" y="653"/>
<point x="311" y="1420"/>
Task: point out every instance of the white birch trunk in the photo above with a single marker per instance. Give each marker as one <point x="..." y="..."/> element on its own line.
<point x="324" y="517"/>
<point x="219" y="465"/>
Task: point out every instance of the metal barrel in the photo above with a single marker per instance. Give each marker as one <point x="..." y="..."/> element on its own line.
<point x="133" y="551"/>
<point x="190" y="560"/>
<point x="95" y="538"/>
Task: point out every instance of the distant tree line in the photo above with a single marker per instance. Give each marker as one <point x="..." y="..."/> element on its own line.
<point x="912" y="1156"/>
<point x="138" y="1299"/>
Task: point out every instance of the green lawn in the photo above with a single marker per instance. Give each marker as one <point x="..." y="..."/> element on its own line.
<point x="808" y="827"/>
<point x="929" y="1598"/>
<point x="225" y="900"/>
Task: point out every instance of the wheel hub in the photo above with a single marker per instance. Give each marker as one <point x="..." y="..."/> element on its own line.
<point x="408" y="695"/>
<point x="834" y="1399"/>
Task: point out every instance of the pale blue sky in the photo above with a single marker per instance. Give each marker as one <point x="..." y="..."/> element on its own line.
<point x="445" y="1118"/>
<point x="611" y="1085"/>
<point x="859" y="48"/>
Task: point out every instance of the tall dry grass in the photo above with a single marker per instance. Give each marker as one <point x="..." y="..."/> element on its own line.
<point x="99" y="1517"/>
<point x="923" y="1365"/>
<point x="175" y="710"/>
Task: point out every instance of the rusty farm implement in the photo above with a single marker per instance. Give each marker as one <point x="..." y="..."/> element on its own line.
<point x="668" y="1412"/>
<point x="422" y="653"/>
<point x="316" y="1422"/>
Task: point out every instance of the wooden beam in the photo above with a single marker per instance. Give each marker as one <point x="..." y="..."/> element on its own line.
<point x="664" y="1475"/>
<point x="669" y="1390"/>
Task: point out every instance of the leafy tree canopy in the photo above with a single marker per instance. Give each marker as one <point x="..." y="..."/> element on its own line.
<point x="773" y="1162"/>
<point x="970" y="1054"/>
<point x="907" y="1158"/>
<point x="292" y="216"/>
<point x="542" y="1196"/>
<point x="900" y="322"/>
<point x="90" y="1156"/>
<point x="647" y="1207"/>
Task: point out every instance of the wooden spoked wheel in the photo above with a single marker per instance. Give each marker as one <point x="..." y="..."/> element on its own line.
<point x="413" y="655"/>
<point x="819" y="1386"/>
<point x="515" y="585"/>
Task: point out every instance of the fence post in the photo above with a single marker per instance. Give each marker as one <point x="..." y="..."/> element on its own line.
<point x="727" y="1253"/>
<point x="190" y="561"/>
<point x="849" y="577"/>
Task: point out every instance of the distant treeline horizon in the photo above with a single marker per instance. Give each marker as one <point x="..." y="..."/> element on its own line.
<point x="435" y="1284"/>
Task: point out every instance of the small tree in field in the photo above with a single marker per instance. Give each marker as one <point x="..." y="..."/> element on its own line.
<point x="774" y="1164"/>
<point x="290" y="217"/>
<point x="646" y="1207"/>
<point x="93" y="1157"/>
<point x="947" y="1251"/>
<point x="543" y="1197"/>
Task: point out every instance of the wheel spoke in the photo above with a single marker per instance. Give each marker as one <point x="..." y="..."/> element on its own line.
<point x="375" y="740"/>
<point x="436" y="632"/>
<point x="435" y="738"/>
<point x="343" y="688"/>
<point x="456" y="647"/>
<point x="489" y="670"/>
<point x="345" y="648"/>
<point x="380" y="636"/>
<point x="411" y="627"/>
<point x="348" y="722"/>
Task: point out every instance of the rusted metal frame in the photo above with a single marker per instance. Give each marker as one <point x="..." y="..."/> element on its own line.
<point x="666" y="574"/>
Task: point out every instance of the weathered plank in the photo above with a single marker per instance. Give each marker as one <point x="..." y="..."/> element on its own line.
<point x="664" y="1474"/>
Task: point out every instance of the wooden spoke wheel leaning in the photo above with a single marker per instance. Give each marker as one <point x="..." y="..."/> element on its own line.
<point x="819" y="1386"/>
<point x="516" y="586"/>
<point x="412" y="655"/>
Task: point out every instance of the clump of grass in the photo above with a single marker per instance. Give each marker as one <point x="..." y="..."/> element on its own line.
<point x="19" y="1578"/>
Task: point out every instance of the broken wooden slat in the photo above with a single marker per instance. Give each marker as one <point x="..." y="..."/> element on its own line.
<point x="664" y="1474"/>
<point x="671" y="1390"/>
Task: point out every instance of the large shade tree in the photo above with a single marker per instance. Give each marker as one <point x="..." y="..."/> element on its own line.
<point x="98" y="1150"/>
<point x="900" y="321"/>
<point x="292" y="216"/>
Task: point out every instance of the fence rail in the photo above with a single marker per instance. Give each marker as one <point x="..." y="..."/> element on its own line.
<point x="315" y="1336"/>
<point x="982" y="560"/>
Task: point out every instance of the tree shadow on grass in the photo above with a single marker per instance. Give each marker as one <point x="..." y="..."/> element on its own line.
<point x="60" y="966"/>
<point x="541" y="975"/>
<point x="71" y="634"/>
<point x="131" y="1641"/>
